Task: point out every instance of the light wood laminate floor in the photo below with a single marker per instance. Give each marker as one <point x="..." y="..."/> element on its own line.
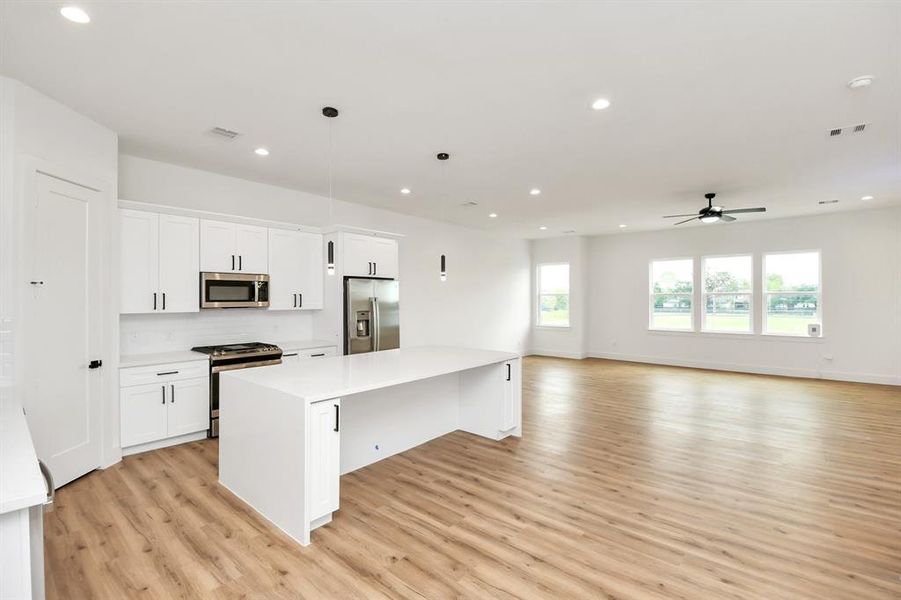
<point x="631" y="481"/>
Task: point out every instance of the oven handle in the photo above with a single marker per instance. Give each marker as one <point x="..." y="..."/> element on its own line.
<point x="259" y="363"/>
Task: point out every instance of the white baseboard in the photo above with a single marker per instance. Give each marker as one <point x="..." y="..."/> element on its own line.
<point x="182" y="439"/>
<point x="556" y="353"/>
<point x="755" y="369"/>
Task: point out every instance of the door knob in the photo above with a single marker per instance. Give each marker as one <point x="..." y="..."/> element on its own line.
<point x="94" y="364"/>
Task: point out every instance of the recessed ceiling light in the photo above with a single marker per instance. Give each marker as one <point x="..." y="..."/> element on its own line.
<point x="600" y="104"/>
<point x="866" y="197"/>
<point x="622" y="225"/>
<point x="75" y="14"/>
<point x="404" y="191"/>
<point x="534" y="191"/>
<point x="543" y="227"/>
<point x="859" y="82"/>
<point x="261" y="152"/>
<point x="492" y="216"/>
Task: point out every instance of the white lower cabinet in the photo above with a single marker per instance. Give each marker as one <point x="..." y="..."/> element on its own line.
<point x="323" y="457"/>
<point x="295" y="356"/>
<point x="175" y="402"/>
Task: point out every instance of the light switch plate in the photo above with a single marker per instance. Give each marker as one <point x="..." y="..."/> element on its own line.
<point x="813" y="329"/>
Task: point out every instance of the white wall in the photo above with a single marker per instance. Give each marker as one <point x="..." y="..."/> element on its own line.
<point x="484" y="302"/>
<point x="40" y="133"/>
<point x="861" y="301"/>
<point x="569" y="342"/>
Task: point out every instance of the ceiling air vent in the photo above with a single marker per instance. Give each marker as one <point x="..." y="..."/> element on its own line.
<point x="569" y="231"/>
<point x="859" y="128"/>
<point x="835" y="132"/>
<point x="828" y="202"/>
<point x="469" y="203"/>
<point x="224" y="133"/>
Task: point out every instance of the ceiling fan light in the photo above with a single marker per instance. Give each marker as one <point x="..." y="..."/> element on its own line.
<point x="710" y="218"/>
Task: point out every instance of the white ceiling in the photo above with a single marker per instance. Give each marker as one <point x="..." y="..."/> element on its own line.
<point x="707" y="96"/>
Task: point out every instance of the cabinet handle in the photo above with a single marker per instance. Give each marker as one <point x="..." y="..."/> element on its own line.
<point x="154" y="300"/>
<point x="164" y="393"/>
<point x="233" y="262"/>
<point x="291" y="354"/>
<point x="168" y="373"/>
<point x="295" y="300"/>
<point x="315" y="355"/>
<point x="240" y="263"/>
<point x="509" y="369"/>
<point x="375" y="268"/>
<point x="164" y="300"/>
<point x="337" y="417"/>
<point x="172" y="397"/>
<point x="300" y="302"/>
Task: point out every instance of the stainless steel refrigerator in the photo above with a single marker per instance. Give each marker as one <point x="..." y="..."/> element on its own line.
<point x="371" y="315"/>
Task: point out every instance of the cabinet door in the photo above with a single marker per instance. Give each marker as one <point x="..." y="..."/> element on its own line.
<point x="384" y="255"/>
<point x="252" y="248"/>
<point x="217" y="247"/>
<point x="285" y="264"/>
<point x="179" y="263"/>
<point x="143" y="413"/>
<point x="138" y="260"/>
<point x="511" y="403"/>
<point x="357" y="255"/>
<point x="311" y="270"/>
<point x="323" y="456"/>
<point x="189" y="406"/>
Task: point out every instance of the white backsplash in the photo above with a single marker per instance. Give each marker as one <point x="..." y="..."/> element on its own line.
<point x="140" y="334"/>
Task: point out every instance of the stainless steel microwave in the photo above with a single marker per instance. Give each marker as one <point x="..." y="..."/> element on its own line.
<point x="234" y="290"/>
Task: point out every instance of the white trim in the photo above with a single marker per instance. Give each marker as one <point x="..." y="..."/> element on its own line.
<point x="164" y="443"/>
<point x="877" y="378"/>
<point x="556" y="353"/>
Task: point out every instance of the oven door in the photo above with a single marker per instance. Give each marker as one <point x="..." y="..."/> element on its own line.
<point x="234" y="290"/>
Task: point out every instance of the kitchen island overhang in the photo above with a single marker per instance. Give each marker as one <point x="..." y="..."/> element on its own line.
<point x="287" y="432"/>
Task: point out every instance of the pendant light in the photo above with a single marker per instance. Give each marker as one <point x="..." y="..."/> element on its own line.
<point x="331" y="113"/>
<point x="442" y="272"/>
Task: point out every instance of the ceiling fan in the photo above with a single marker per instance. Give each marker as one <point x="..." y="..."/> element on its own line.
<point x="712" y="214"/>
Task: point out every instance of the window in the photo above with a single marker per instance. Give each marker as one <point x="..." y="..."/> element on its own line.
<point x="553" y="295"/>
<point x="791" y="295"/>
<point x="672" y="286"/>
<point x="727" y="294"/>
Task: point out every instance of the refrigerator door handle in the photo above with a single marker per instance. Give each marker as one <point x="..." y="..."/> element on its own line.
<point x="375" y="334"/>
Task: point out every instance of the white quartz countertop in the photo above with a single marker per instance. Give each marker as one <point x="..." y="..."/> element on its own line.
<point x="337" y="376"/>
<point x="162" y="358"/>
<point x="21" y="482"/>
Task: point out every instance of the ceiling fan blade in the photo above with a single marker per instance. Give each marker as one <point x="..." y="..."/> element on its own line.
<point x="727" y="218"/>
<point x="686" y="220"/>
<point x="676" y="216"/>
<point x="735" y="211"/>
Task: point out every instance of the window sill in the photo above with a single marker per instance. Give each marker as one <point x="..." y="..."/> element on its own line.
<point x="787" y="337"/>
<point x="668" y="331"/>
<point x="726" y="333"/>
<point x="554" y="327"/>
<point x="765" y="337"/>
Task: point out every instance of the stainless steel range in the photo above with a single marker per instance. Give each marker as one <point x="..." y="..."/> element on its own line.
<point x="234" y="356"/>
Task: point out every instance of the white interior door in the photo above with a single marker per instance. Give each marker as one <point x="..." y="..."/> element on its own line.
<point x="62" y="315"/>
<point x="179" y="252"/>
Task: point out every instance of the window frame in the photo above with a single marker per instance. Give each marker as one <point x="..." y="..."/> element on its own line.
<point x="539" y="294"/>
<point x="765" y="293"/>
<point x="749" y="293"/>
<point x="691" y="296"/>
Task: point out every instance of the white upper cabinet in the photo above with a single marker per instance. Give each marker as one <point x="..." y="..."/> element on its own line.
<point x="179" y="249"/>
<point x="159" y="267"/>
<point x="232" y="247"/>
<point x="252" y="248"/>
<point x="295" y="270"/>
<point x="369" y="256"/>
<point x="139" y="260"/>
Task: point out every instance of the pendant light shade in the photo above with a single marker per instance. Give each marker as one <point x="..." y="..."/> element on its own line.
<point x="330" y="259"/>
<point x="443" y="272"/>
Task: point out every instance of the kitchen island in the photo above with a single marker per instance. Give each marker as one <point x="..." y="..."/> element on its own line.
<point x="287" y="432"/>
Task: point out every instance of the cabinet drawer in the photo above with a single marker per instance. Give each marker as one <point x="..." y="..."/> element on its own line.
<point x="311" y="352"/>
<point x="166" y="372"/>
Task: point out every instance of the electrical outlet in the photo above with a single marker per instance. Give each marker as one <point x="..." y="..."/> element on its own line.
<point x="376" y="447"/>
